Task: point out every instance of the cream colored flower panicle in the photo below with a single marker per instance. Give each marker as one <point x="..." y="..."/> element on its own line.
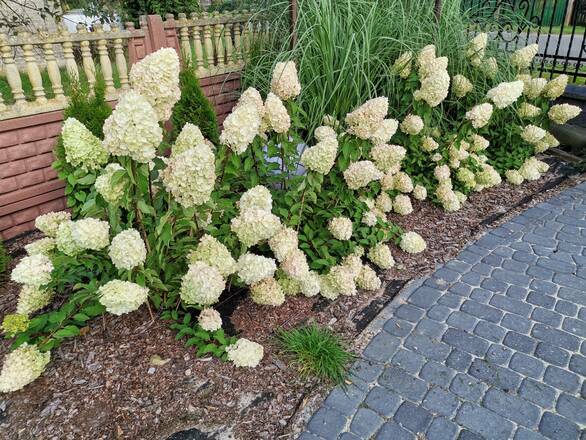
<point x="562" y="113"/>
<point x="532" y="87"/>
<point x="505" y="94"/>
<point x="487" y="177"/>
<point x="276" y="114"/>
<point x="530" y="170"/>
<point x="120" y="297"/>
<point x="258" y="197"/>
<point x="189" y="137"/>
<point x="412" y="243"/>
<point x="127" y="250"/>
<point x="402" y="205"/>
<point x="34" y="270"/>
<point x="267" y="292"/>
<point x="340" y="228"/>
<point x="284" y="242"/>
<point x="156" y="77"/>
<point x="476" y="49"/>
<point x="385" y="131"/>
<point x="202" y="284"/>
<point x="310" y="285"/>
<point x="49" y="223"/>
<point x="556" y="87"/>
<point x="190" y="176"/>
<point x="112" y="193"/>
<point x="441" y="172"/>
<point x="387" y="156"/>
<point x="461" y="86"/>
<point x="360" y="174"/>
<point x="65" y="241"/>
<point x="381" y="256"/>
<point x="322" y="156"/>
<point x="490" y="67"/>
<point x="325" y="132"/>
<point x="41" y="246"/>
<point x="419" y="192"/>
<point x="532" y="134"/>
<point x="522" y="58"/>
<point x="215" y="254"/>
<point x="447" y="197"/>
<point x="91" y="233"/>
<point x="255" y="225"/>
<point x="528" y="111"/>
<point x="82" y="148"/>
<point x="285" y="83"/>
<point x="209" y="319"/>
<point x="402" y="65"/>
<point x="434" y="88"/>
<point x="253" y="268"/>
<point x="429" y="144"/>
<point x="289" y="286"/>
<point x="252" y="96"/>
<point x="479" y="143"/>
<point x="295" y="265"/>
<point x="14" y="323"/>
<point x="412" y="124"/>
<point x="241" y="126"/>
<point x="367" y="119"/>
<point x="340" y="281"/>
<point x="21" y="367"/>
<point x="514" y="177"/>
<point x="245" y="353"/>
<point x="402" y="182"/>
<point x="384" y="202"/>
<point x="466" y="177"/>
<point x="479" y="115"/>
<point x="367" y="279"/>
<point x="548" y="141"/>
<point x="133" y="129"/>
<point x="31" y="299"/>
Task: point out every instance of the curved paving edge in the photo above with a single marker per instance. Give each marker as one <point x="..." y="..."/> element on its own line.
<point x="491" y="345"/>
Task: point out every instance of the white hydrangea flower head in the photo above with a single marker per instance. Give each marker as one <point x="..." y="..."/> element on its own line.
<point x="479" y="115"/>
<point x="381" y="255"/>
<point x="267" y="292"/>
<point x="488" y="176"/>
<point x="22" y="366"/>
<point x="156" y="77"/>
<point x="367" y="119"/>
<point x="461" y="86"/>
<point x="202" y="284"/>
<point x="310" y="285"/>
<point x="367" y="279"/>
<point x="325" y="132"/>
<point x="41" y="246"/>
<point x="82" y="148"/>
<point x="542" y="167"/>
<point x="562" y="113"/>
<point x="253" y="268"/>
<point x="402" y="182"/>
<point x="387" y="157"/>
<point x="32" y="299"/>
<point x="252" y="96"/>
<point x="412" y="124"/>
<point x="426" y="56"/>
<point x="385" y="131"/>
<point x="514" y="177"/>
<point x="289" y="286"/>
<point x="429" y="144"/>
<point x="412" y="243"/>
<point x="419" y="192"/>
<point x="127" y="250"/>
<point x="528" y="111"/>
<point x="258" y="197"/>
<point x="210" y="251"/>
<point x="556" y="87"/>
<point x="522" y="58"/>
<point x="533" y="134"/>
<point x="241" y="127"/>
<point x="209" y="319"/>
<point x="284" y="242"/>
<point x="353" y="263"/>
<point x="387" y="182"/>
<point x="360" y="174"/>
<point x="295" y="265"/>
<point x="476" y="49"/>
<point x="384" y="202"/>
<point x="49" y="223"/>
<point x="466" y="177"/>
<point x="369" y="218"/>
<point x="479" y="143"/>
<point x="133" y="129"/>
<point x="402" y="205"/>
<point x="65" y="241"/>
<point x="441" y="172"/>
<point x="434" y="88"/>
<point x="341" y="280"/>
<point x="533" y="87"/>
<point x="120" y="297"/>
<point x="322" y="156"/>
<point x="548" y="141"/>
<point x="529" y="170"/>
<point x="326" y="288"/>
<point x="245" y="353"/>
<point x="255" y="225"/>
<point x="461" y="197"/>
<point x="276" y="114"/>
<point x="91" y="233"/>
<point x="490" y="67"/>
<point x="285" y="83"/>
<point x="402" y="65"/>
<point x="340" y="228"/>
<point x="448" y="199"/>
<point x="33" y="270"/>
<point x="189" y="137"/>
<point x="112" y="193"/>
<point x="506" y="93"/>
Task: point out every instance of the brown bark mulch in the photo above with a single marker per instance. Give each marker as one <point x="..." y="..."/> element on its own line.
<point x="128" y="378"/>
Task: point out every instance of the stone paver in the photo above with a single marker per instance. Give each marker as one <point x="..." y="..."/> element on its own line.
<point x="492" y="345"/>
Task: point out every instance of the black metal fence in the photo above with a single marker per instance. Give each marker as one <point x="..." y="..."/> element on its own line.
<point x="557" y="26"/>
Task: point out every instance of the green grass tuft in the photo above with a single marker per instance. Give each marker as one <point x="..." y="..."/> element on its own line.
<point x="317" y="352"/>
<point x="4" y="260"/>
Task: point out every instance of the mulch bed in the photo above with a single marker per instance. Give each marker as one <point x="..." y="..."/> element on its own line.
<point x="104" y="385"/>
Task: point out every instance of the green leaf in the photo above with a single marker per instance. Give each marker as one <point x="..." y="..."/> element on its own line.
<point x="87" y="180"/>
<point x="67" y="332"/>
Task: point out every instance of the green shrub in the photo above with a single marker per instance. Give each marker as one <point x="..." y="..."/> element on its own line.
<point x="194" y="107"/>
<point x="4" y="260"/>
<point x="317" y="352"/>
<point x="132" y="9"/>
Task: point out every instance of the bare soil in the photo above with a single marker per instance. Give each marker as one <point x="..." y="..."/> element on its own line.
<point x="105" y="384"/>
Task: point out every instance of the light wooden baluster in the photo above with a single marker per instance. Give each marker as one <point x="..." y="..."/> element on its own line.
<point x="218" y="32"/>
<point x="70" y="64"/>
<point x="53" y="71"/>
<point x="238" y="43"/>
<point x="86" y="57"/>
<point x="11" y="71"/>
<point x="32" y="69"/>
<point x="2" y="105"/>
<point x="228" y="43"/>
<point x="105" y="64"/>
<point x="184" y="38"/>
<point x="246" y="36"/>
<point x="121" y="63"/>
<point x="196" y="33"/>
<point x="208" y="45"/>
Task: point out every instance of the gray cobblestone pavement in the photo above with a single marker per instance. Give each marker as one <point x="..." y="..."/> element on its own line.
<point x="492" y="345"/>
